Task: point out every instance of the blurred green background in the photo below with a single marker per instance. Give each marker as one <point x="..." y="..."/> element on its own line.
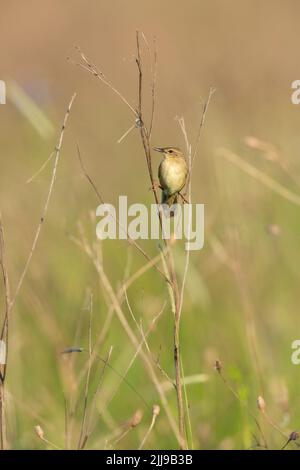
<point x="242" y="288"/>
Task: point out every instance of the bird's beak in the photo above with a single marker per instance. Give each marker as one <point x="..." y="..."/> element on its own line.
<point x="158" y="149"/>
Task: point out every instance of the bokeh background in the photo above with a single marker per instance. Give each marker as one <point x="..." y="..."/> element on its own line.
<point x="242" y="294"/>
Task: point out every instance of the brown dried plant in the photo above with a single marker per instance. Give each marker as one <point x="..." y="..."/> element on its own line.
<point x="145" y="130"/>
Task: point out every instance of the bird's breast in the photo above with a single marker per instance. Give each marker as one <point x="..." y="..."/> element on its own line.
<point x="172" y="174"/>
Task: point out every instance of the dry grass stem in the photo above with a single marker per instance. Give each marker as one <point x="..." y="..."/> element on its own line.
<point x="155" y="413"/>
<point x="260" y="176"/>
<point x="219" y="369"/>
<point x="86" y="392"/>
<point x="10" y="301"/>
<point x="167" y="255"/>
<point x="41" y="435"/>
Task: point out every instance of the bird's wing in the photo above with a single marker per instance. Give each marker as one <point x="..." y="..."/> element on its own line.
<point x="185" y="175"/>
<point x="160" y="175"/>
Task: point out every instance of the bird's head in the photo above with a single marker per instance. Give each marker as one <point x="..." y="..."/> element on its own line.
<point x="169" y="151"/>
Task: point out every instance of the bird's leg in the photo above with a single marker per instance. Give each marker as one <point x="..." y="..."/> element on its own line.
<point x="155" y="186"/>
<point x="184" y="200"/>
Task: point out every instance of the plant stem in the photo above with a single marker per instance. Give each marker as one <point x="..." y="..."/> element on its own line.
<point x="169" y="256"/>
<point x="2" y="418"/>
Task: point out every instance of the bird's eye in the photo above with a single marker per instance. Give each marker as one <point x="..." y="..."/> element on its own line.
<point x="170" y="151"/>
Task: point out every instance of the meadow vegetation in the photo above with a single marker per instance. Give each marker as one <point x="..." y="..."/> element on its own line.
<point x="92" y="325"/>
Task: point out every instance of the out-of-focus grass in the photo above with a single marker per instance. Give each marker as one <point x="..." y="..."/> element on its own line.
<point x="234" y="50"/>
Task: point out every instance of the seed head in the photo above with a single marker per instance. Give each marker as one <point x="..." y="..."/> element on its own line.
<point x="136" y="419"/>
<point x="218" y="366"/>
<point x="261" y="403"/>
<point x="39" y="431"/>
<point x="294" y="436"/>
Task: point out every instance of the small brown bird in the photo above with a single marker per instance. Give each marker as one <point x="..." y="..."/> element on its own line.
<point x="172" y="173"/>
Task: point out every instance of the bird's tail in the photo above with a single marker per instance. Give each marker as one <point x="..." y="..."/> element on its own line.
<point x="169" y="200"/>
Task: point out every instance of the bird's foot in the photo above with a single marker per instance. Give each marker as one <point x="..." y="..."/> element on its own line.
<point x="184" y="200"/>
<point x="155" y="186"/>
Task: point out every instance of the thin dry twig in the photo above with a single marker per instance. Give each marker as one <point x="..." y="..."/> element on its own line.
<point x="144" y="335"/>
<point x="262" y="408"/>
<point x="41" y="435"/>
<point x="88" y="250"/>
<point x="3" y="265"/>
<point x="293" y="437"/>
<point x="148" y="363"/>
<point x="120" y="433"/>
<point x="91" y="68"/>
<point x="191" y="154"/>
<point x="260" y="176"/>
<point x="90" y="427"/>
<point x="153" y="71"/>
<point x="120" y="294"/>
<point x="41" y="168"/>
<point x="202" y="121"/>
<point x="174" y="290"/>
<point x="123" y="136"/>
<point x="219" y="369"/>
<point x="45" y="209"/>
<point x="88" y="430"/>
<point x="10" y="301"/>
<point x="87" y="384"/>
<point x="130" y="240"/>
<point x="155" y="413"/>
<point x="172" y="279"/>
<point x="4" y="336"/>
